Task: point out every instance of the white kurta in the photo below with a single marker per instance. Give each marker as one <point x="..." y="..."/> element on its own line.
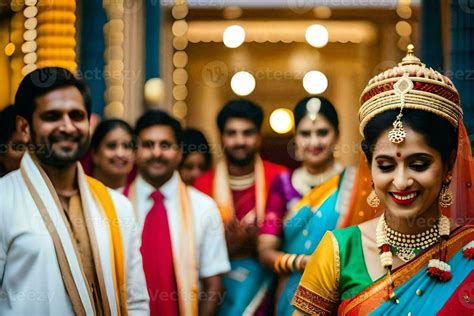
<point x="209" y="236"/>
<point x="30" y="277"/>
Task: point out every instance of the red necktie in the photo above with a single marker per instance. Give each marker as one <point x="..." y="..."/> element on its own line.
<point x="157" y="257"/>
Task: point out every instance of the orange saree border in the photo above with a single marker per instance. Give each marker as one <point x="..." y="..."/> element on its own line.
<point x="312" y="303"/>
<point x="377" y="294"/>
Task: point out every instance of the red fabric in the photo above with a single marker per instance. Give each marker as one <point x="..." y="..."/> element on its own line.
<point x="205" y="182"/>
<point x="157" y="257"/>
<point x="461" y="301"/>
<point x="244" y="201"/>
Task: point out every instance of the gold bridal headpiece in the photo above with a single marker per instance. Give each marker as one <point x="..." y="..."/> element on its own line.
<point x="410" y="85"/>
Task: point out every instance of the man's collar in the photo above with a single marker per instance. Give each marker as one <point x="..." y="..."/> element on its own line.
<point x="168" y="189"/>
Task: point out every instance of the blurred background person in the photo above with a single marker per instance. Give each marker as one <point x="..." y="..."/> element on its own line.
<point x="12" y="143"/>
<point x="183" y="244"/>
<point x="112" y="153"/>
<point x="303" y="204"/>
<point x="197" y="157"/>
<point x="239" y="183"/>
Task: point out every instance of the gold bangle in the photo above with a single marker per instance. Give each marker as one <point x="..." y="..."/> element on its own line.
<point x="283" y="262"/>
<point x="290" y="263"/>
<point x="298" y="261"/>
<point x="276" y="264"/>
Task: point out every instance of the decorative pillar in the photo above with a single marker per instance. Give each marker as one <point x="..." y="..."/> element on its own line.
<point x="11" y="62"/>
<point x="92" y="62"/>
<point x="56" y="34"/>
<point x="152" y="33"/>
<point x="113" y="55"/>
<point x="431" y="34"/>
<point x="462" y="58"/>
<point x="180" y="59"/>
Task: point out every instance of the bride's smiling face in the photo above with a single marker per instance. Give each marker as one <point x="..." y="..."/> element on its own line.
<point x="408" y="176"/>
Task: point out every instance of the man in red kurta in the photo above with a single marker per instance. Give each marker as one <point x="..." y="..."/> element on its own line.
<point x="239" y="183"/>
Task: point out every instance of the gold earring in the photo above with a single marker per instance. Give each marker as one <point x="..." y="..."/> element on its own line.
<point x="373" y="200"/>
<point x="445" y="199"/>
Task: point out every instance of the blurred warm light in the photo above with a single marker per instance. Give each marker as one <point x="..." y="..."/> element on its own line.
<point x="403" y="28"/>
<point x="180" y="109"/>
<point x="16" y="5"/>
<point x="404" y="2"/>
<point x="10" y="49"/>
<point x="315" y="82"/>
<point x="180" y="59"/>
<point x="233" y="12"/>
<point x="403" y="43"/>
<point x="114" y="109"/>
<point x="322" y="12"/>
<point x="30" y="12"/>
<point x="234" y="36"/>
<point x="154" y="91"/>
<point x="179" y="28"/>
<point x="180" y="11"/>
<point x="404" y="12"/>
<point x="180" y="42"/>
<point x="242" y="83"/>
<point x="281" y="120"/>
<point x="30" y="58"/>
<point x="27" y="69"/>
<point x="180" y="76"/>
<point x="31" y="23"/>
<point x="30" y="35"/>
<point x="180" y="92"/>
<point x="317" y="35"/>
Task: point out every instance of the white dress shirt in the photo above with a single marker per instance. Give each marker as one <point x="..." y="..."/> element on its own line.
<point x="208" y="228"/>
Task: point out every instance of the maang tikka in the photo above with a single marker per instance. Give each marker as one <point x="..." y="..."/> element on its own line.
<point x="312" y="108"/>
<point x="398" y="134"/>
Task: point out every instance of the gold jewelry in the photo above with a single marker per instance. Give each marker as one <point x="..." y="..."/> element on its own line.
<point x="300" y="263"/>
<point x="445" y="199"/>
<point x="303" y="181"/>
<point x="290" y="263"/>
<point x="242" y="182"/>
<point x="283" y="263"/>
<point x="408" y="245"/>
<point x="401" y="87"/>
<point x="312" y="108"/>
<point x="409" y="85"/>
<point x="276" y="264"/>
<point x="373" y="200"/>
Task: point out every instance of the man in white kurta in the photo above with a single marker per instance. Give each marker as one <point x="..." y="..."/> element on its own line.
<point x="68" y="244"/>
<point x="31" y="281"/>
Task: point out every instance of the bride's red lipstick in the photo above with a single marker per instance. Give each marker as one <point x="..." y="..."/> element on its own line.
<point x="401" y="198"/>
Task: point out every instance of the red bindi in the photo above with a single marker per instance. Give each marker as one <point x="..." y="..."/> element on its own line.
<point x="399" y="155"/>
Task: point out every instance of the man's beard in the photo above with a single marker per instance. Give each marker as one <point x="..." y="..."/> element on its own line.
<point x="240" y="162"/>
<point x="51" y="157"/>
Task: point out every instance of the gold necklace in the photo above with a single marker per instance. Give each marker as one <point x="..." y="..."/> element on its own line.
<point x="407" y="246"/>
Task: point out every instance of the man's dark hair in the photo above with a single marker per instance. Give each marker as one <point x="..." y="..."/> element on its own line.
<point x="7" y="124"/>
<point x="240" y="108"/>
<point x="158" y="117"/>
<point x="42" y="81"/>
<point x="194" y="141"/>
